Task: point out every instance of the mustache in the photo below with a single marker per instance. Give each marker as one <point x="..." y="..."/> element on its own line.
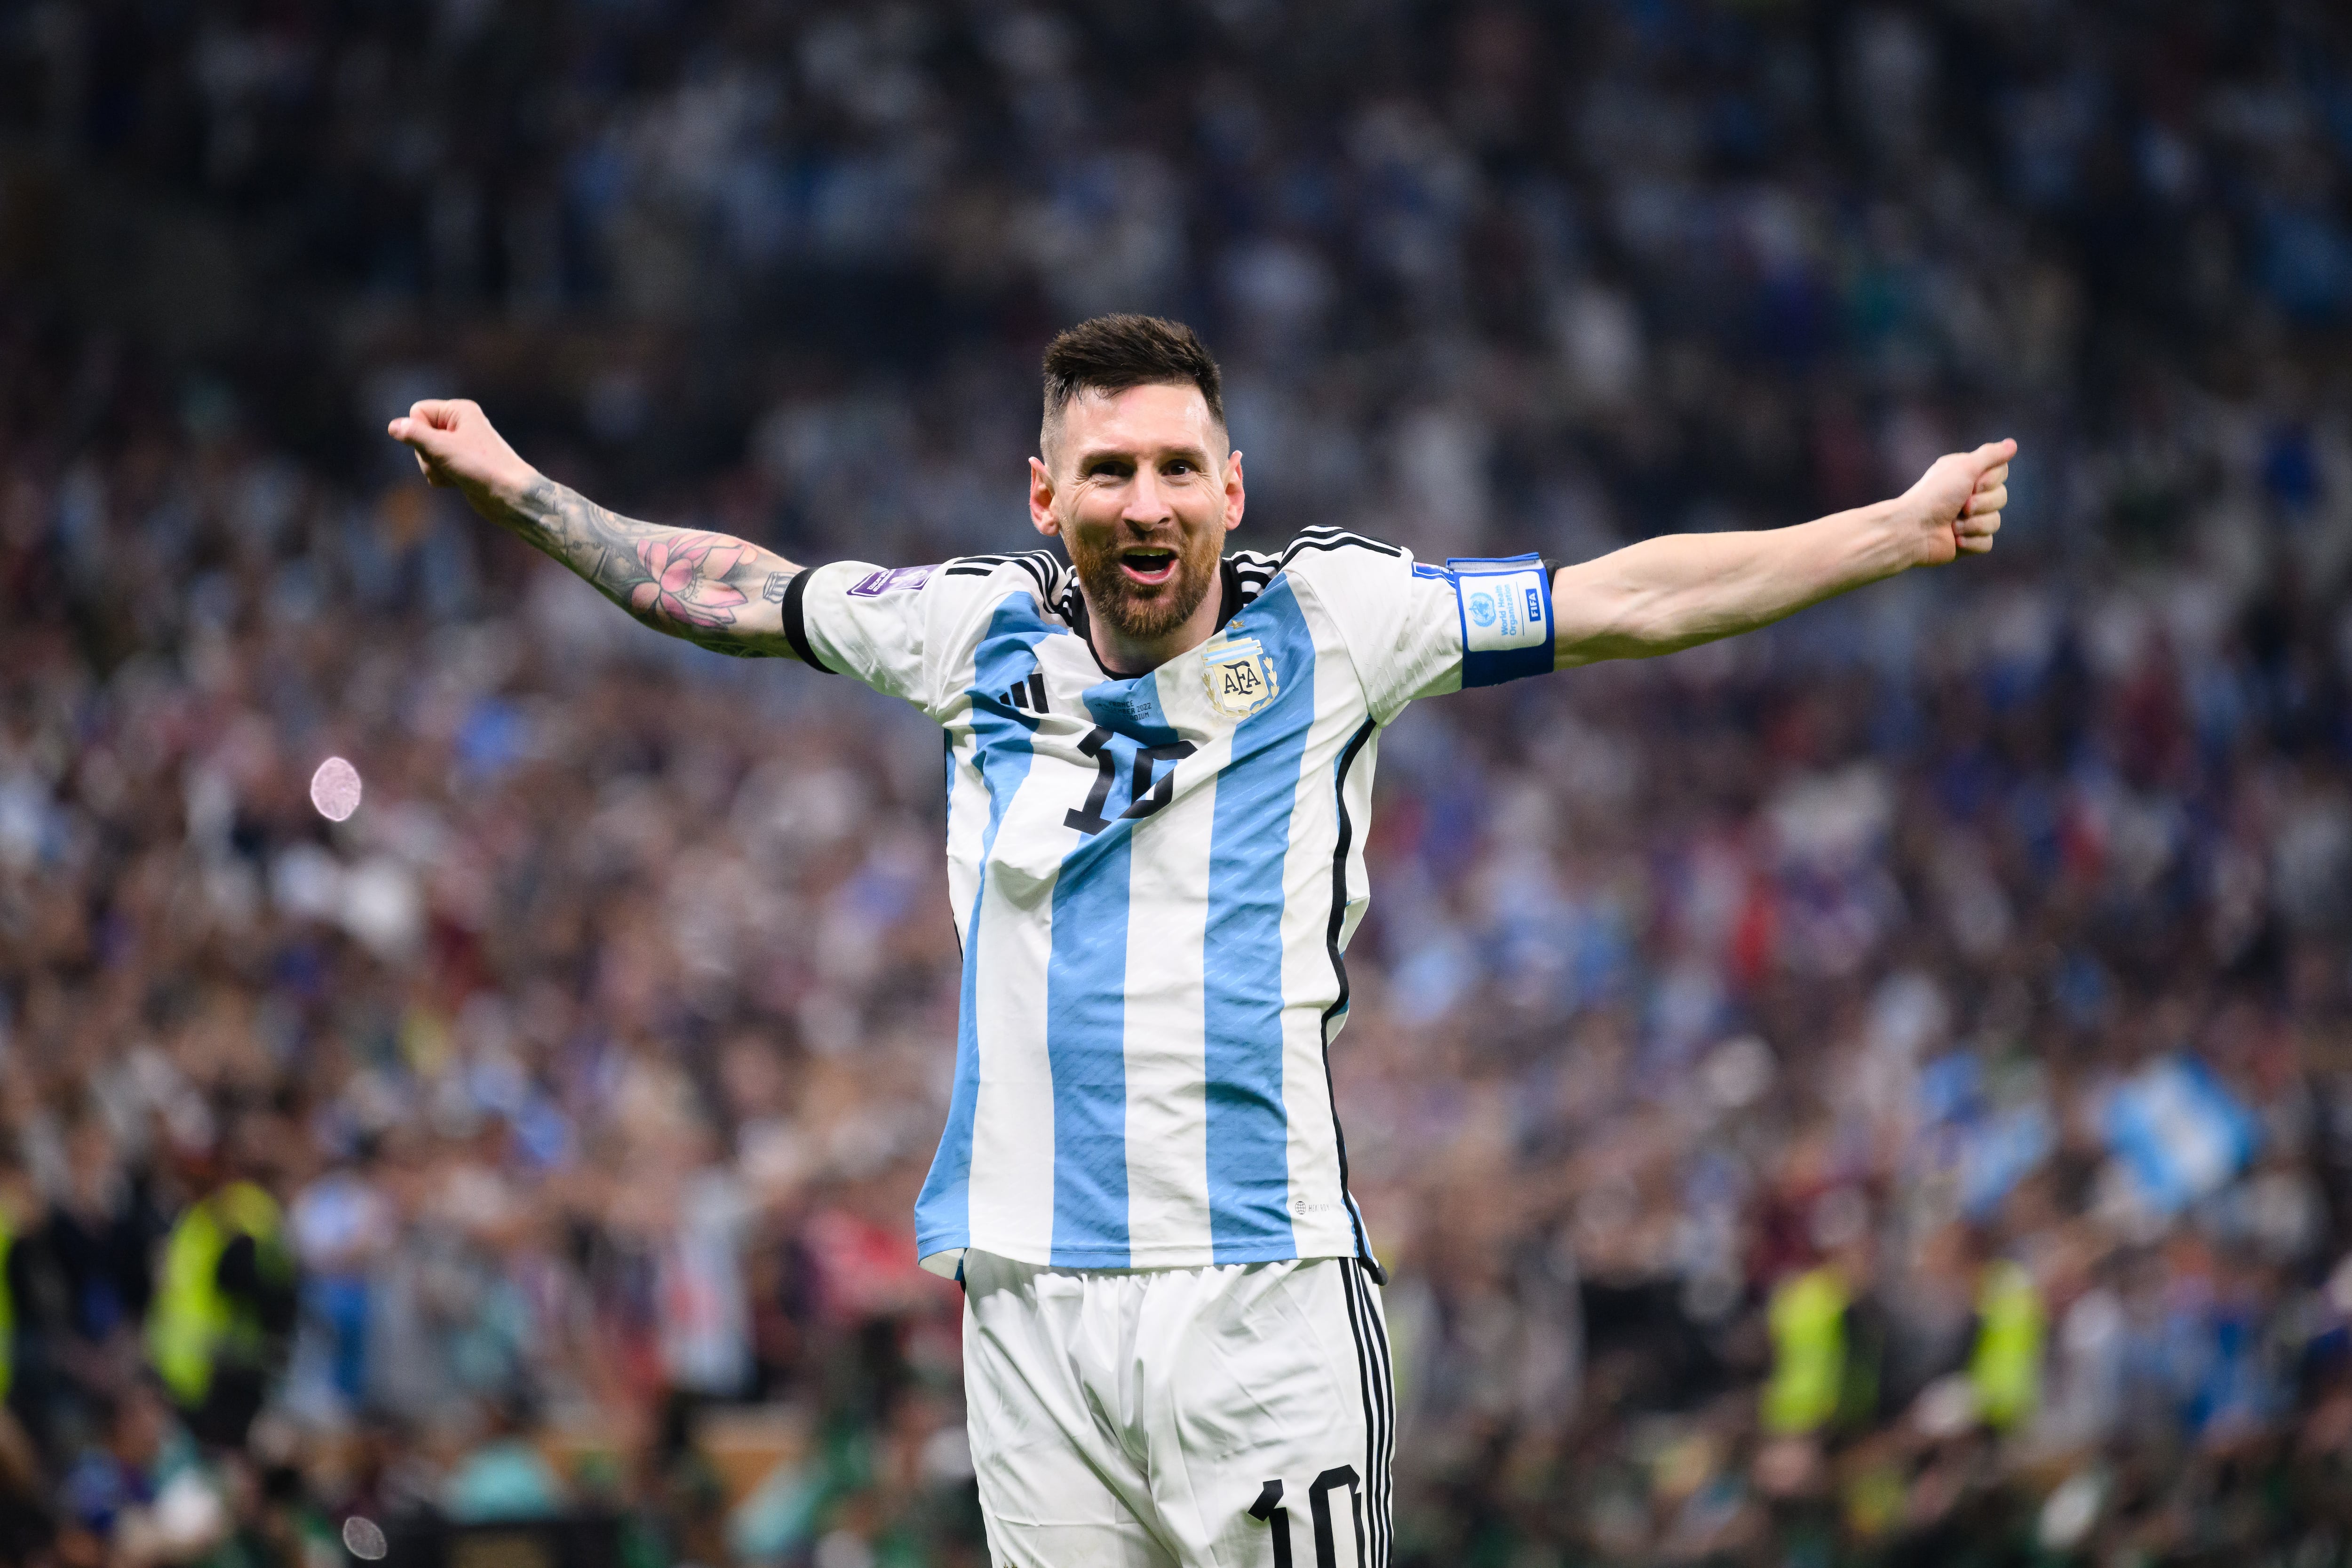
<point x="1172" y="537"/>
<point x="1190" y="552"/>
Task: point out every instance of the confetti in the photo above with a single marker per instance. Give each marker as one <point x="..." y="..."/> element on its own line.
<point x="335" y="791"/>
<point x="361" y="1535"/>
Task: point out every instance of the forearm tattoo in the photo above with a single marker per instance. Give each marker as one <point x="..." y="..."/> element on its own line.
<point x="681" y="581"/>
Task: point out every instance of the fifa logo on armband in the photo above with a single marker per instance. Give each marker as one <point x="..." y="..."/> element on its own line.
<point x="1240" y="676"/>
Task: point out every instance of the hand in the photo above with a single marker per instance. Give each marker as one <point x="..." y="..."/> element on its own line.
<point x="455" y="443"/>
<point x="1955" y="508"/>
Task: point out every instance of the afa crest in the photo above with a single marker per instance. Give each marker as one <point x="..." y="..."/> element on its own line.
<point x="1240" y="677"/>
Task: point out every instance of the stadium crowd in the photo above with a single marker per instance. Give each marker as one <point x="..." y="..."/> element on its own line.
<point x="1881" y="1088"/>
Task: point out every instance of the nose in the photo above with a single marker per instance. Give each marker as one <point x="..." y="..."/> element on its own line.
<point x="1147" y="501"/>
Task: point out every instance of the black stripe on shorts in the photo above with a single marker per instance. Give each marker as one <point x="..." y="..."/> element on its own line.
<point x="1376" y="1378"/>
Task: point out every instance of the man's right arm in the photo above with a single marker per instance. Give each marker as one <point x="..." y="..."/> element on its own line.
<point x="712" y="589"/>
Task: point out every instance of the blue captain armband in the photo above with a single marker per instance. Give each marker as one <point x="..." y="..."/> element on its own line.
<point x="1506" y="625"/>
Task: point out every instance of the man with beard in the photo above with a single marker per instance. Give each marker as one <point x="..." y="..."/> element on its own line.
<point x="1161" y="764"/>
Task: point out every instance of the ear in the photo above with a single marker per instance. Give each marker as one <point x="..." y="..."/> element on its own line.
<point x="1236" y="495"/>
<point x="1041" y="501"/>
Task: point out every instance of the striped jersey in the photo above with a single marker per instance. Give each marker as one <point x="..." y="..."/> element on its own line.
<point x="1154" y="880"/>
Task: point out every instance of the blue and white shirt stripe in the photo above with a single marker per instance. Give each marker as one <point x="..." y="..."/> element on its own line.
<point x="1154" y="880"/>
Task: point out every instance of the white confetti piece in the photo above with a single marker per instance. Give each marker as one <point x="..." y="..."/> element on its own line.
<point x="335" y="791"/>
<point x="363" y="1535"/>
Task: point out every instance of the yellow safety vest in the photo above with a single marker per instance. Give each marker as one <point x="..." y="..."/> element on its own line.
<point x="194" y="1321"/>
<point x="1808" y="1324"/>
<point x="2005" y="1368"/>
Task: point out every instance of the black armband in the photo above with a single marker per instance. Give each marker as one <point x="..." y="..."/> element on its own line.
<point x="797" y="623"/>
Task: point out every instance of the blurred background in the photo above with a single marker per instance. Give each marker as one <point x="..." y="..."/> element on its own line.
<point x="1878" y="1090"/>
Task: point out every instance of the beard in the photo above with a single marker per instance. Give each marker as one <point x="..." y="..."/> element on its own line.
<point x="1141" y="613"/>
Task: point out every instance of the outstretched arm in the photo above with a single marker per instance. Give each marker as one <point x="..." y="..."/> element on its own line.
<point x="1683" y="589"/>
<point x="708" y="588"/>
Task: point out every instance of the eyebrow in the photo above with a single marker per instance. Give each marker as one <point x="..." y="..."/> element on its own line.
<point x="1090" y="460"/>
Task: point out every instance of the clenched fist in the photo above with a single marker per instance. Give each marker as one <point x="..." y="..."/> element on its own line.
<point x="455" y="443"/>
<point x="1955" y="508"/>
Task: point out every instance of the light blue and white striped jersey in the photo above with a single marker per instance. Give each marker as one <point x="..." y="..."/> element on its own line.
<point x="1154" y="880"/>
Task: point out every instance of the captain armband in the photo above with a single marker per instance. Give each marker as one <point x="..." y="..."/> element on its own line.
<point x="1506" y="618"/>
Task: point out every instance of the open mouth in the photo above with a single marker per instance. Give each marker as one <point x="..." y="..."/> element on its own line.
<point x="1147" y="565"/>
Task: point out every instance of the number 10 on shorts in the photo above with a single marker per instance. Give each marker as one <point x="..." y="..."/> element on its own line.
<point x="1269" y="1509"/>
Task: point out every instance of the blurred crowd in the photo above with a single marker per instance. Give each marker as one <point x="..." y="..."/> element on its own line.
<point x="1880" y="1089"/>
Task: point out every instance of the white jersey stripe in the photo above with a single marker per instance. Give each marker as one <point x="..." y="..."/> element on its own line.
<point x="1167" y="1086"/>
<point x="1318" y="1198"/>
<point x="1003" y="1179"/>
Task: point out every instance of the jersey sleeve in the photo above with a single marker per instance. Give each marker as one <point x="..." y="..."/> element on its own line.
<point x="896" y="629"/>
<point x="1416" y="630"/>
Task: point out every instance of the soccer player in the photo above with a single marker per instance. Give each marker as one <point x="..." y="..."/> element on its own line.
<point x="1160" y="767"/>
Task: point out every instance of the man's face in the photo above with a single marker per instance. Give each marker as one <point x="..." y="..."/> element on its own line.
<point x="1142" y="491"/>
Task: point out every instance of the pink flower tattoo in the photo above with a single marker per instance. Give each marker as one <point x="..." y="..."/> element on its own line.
<point x="688" y="580"/>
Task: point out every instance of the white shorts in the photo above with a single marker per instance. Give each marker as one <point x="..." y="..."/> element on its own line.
<point x="1236" y="1414"/>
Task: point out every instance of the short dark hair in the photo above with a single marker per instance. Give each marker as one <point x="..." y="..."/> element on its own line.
<point x="1111" y="353"/>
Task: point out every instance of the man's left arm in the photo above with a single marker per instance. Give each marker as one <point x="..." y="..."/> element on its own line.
<point x="1683" y="589"/>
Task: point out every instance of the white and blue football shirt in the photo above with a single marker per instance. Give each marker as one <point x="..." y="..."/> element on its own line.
<point x="1154" y="880"/>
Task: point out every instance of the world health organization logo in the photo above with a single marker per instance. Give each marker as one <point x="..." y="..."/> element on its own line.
<point x="1482" y="609"/>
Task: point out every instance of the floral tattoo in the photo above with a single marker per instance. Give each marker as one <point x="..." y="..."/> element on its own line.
<point x="686" y="583"/>
<point x="687" y="579"/>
